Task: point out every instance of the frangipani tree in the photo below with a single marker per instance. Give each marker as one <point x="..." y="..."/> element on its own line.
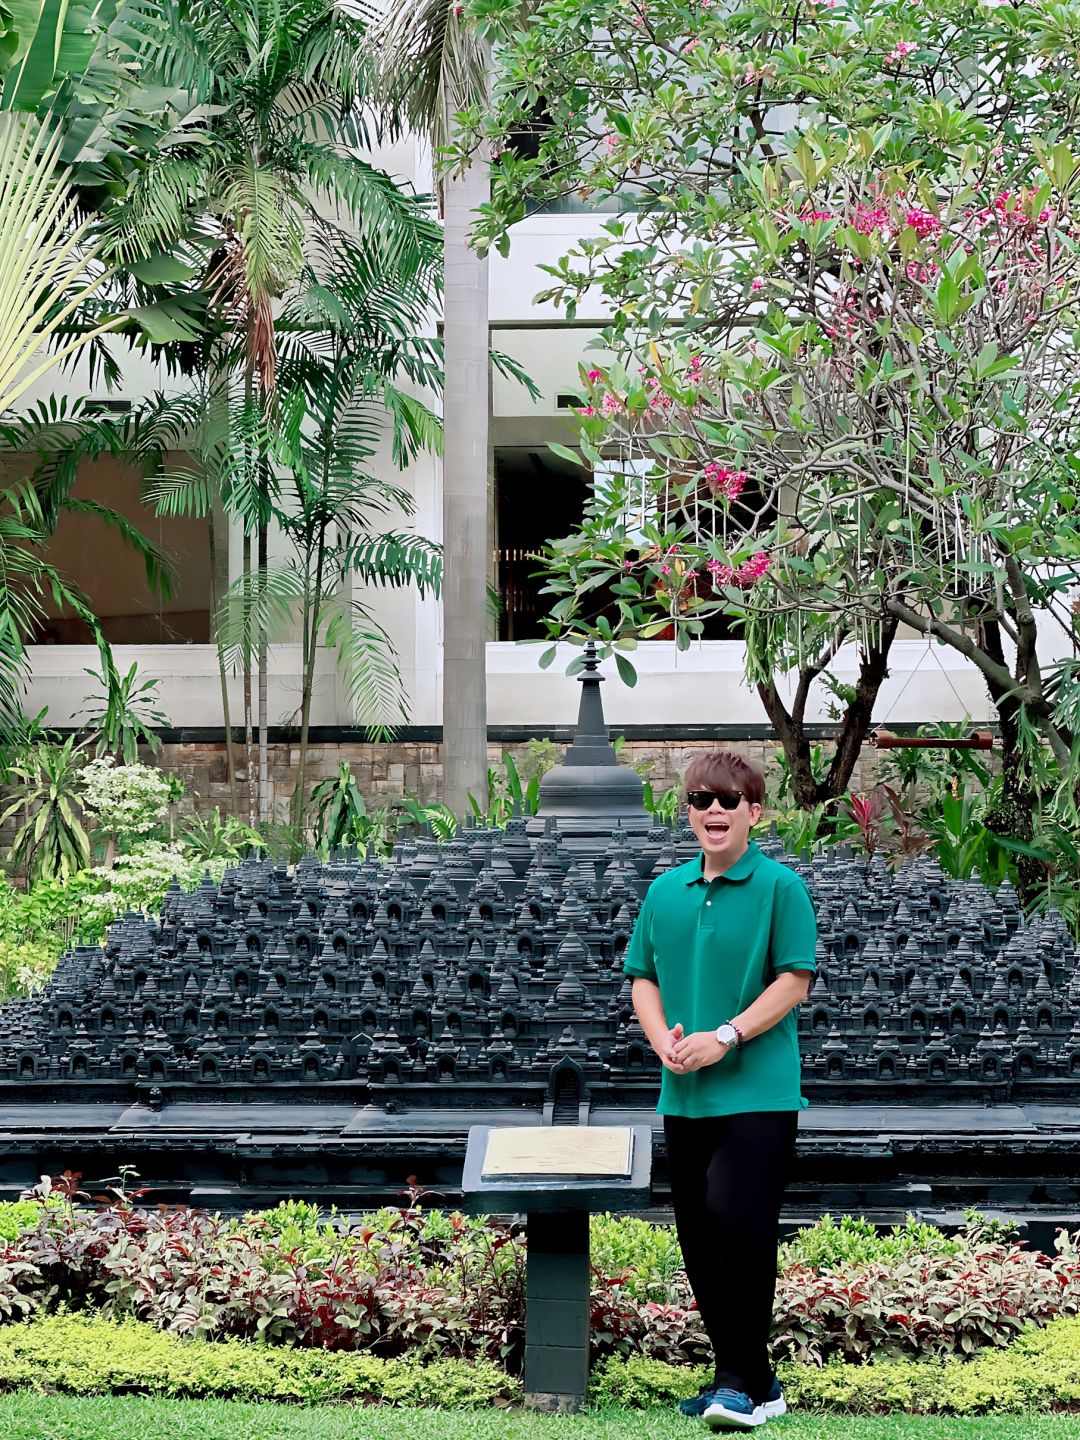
<point x="846" y="262"/>
<point x="887" y="438"/>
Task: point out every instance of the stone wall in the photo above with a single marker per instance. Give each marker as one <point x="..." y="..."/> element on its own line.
<point x="386" y="772"/>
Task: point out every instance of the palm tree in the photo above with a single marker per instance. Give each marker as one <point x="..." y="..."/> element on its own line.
<point x="347" y="341"/>
<point x="50" y="274"/>
<point x="431" y="66"/>
<point x="284" y="79"/>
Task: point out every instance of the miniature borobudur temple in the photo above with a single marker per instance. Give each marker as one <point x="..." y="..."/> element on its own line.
<point x="331" y="1031"/>
<point x="488" y="962"/>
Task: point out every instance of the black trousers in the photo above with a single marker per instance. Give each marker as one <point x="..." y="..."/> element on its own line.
<point x="728" y="1174"/>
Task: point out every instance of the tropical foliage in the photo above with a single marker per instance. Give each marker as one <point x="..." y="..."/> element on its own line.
<point x="843" y="354"/>
<point x="51" y="838"/>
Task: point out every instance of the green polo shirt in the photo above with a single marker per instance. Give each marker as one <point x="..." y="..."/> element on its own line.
<point x="713" y="947"/>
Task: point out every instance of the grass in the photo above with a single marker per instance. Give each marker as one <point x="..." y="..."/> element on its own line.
<point x="27" y="1416"/>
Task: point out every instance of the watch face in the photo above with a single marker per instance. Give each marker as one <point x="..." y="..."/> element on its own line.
<point x="726" y="1035"/>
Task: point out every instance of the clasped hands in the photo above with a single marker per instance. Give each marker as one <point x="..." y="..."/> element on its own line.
<point x="685" y="1053"/>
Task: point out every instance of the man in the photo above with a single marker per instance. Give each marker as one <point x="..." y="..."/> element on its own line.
<point x="721" y="956"/>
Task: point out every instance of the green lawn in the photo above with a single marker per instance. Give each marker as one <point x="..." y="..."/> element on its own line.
<point x="27" y="1416"/>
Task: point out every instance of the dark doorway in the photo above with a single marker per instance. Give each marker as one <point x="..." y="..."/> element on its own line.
<point x="539" y="496"/>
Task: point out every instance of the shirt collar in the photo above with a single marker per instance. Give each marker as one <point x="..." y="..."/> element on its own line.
<point x="744" y="866"/>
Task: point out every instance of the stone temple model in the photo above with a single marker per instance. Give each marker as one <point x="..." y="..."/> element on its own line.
<point x="329" y="1032"/>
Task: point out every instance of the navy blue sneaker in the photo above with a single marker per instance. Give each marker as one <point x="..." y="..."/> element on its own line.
<point x="732" y="1410"/>
<point x="699" y="1403"/>
<point x="775" y="1405"/>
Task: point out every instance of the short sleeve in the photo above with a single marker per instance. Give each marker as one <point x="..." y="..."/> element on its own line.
<point x="640" y="959"/>
<point x="793" y="941"/>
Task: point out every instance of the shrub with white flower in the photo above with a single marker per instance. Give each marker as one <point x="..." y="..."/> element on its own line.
<point x="129" y="802"/>
<point x="140" y="878"/>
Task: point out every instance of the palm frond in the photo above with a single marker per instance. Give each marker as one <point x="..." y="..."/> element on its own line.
<point x="262" y="208"/>
<point x="258" y="604"/>
<point x="188" y="493"/>
<point x="429" y="65"/>
<point x="380" y="209"/>
<point x="392" y="559"/>
<point x="43" y="254"/>
<point x="368" y="661"/>
<point x="155" y="210"/>
<point x="506" y="365"/>
<point x="415" y="427"/>
<point x="160" y="570"/>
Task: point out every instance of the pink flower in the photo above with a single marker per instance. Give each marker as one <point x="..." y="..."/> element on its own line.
<point x="900" y="51"/>
<point x="923" y="223"/>
<point x="867" y="221"/>
<point x="594" y="375"/>
<point x="757" y="283"/>
<point x="725" y="482"/>
<point x="610" y="142"/>
<point x="587" y="410"/>
<point x="610" y="405"/>
<point x="690" y="46"/>
<point x="744" y="575"/>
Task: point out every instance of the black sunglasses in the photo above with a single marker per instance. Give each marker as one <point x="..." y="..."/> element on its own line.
<point x="702" y="799"/>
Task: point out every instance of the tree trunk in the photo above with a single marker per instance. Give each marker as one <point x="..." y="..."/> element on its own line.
<point x="312" y="620"/>
<point x="215" y="517"/>
<point x="1012" y="817"/>
<point x="264" y="776"/>
<point x="249" y="754"/>
<point x="854" y="726"/>
<point x="465" y="493"/>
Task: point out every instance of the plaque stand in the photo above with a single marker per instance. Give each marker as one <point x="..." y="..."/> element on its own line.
<point x="557" y="1311"/>
<point x="557" y="1176"/>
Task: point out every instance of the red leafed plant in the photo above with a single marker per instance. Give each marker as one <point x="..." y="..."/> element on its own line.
<point x="867" y="811"/>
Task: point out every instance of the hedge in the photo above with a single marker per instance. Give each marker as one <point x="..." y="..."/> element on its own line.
<point x="1039" y="1371"/>
<point x="84" y="1354"/>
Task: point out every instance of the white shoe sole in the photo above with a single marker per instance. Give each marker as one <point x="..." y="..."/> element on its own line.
<point x="717" y="1418"/>
<point x="775" y="1408"/>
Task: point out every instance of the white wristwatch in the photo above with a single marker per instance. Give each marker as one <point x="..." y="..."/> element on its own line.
<point x="729" y="1035"/>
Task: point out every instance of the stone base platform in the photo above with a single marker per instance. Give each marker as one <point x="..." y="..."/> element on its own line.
<point x="1015" y="1161"/>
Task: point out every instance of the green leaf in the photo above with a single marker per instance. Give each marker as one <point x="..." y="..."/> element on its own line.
<point x="565" y="453"/>
<point x="627" y="673"/>
<point x="164" y="323"/>
<point x="162" y="270"/>
<point x="947" y="297"/>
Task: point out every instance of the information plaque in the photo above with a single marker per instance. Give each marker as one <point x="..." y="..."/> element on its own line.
<point x="563" y="1151"/>
<point x="523" y="1169"/>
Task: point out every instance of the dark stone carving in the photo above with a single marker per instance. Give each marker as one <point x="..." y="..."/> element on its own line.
<point x="590" y="793"/>
<point x="494" y="965"/>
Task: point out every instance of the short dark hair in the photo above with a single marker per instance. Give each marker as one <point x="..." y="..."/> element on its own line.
<point x="727" y="770"/>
